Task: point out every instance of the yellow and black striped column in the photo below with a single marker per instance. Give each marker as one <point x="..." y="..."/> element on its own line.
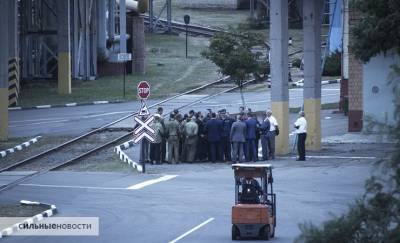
<point x="13" y="82"/>
<point x="64" y="47"/>
<point x="279" y="72"/>
<point x="312" y="72"/>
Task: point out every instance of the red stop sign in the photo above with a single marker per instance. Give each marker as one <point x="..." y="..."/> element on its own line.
<point x="143" y="89"/>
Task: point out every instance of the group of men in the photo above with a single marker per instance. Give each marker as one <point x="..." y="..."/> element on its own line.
<point x="215" y="137"/>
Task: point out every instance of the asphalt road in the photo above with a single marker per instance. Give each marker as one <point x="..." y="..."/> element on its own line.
<point x="162" y="212"/>
<point x="76" y="120"/>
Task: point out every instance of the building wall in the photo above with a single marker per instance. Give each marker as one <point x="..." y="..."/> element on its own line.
<point x="378" y="96"/>
<point x="228" y="4"/>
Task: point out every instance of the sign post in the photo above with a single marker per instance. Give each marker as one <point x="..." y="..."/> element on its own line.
<point x="143" y="120"/>
<point x="124" y="57"/>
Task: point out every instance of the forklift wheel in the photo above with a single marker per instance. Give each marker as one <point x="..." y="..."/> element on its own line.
<point x="235" y="232"/>
<point x="265" y="233"/>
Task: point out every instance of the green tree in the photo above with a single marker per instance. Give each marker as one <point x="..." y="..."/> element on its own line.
<point x="379" y="28"/>
<point x="234" y="54"/>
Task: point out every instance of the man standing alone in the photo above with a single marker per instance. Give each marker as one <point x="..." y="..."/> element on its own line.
<point x="301" y="131"/>
<point x="273" y="132"/>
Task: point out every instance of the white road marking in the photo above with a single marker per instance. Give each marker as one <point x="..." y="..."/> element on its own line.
<point x="328" y="118"/>
<point x="74" y="187"/>
<point x="134" y="187"/>
<point x="100" y="102"/>
<point x="151" y="182"/>
<point x="39" y="123"/>
<point x="64" y="119"/>
<point x="43" y="106"/>
<point x="106" y="114"/>
<point x="192" y="230"/>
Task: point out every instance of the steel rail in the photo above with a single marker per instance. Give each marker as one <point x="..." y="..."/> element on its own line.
<point x="56" y="148"/>
<point x="70" y="161"/>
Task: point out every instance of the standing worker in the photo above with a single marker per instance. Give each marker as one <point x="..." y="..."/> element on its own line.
<point x="213" y="130"/>
<point x="172" y="129"/>
<point x="225" y="136"/>
<point x="273" y="132"/>
<point x="191" y="133"/>
<point x="155" y="147"/>
<point x="301" y="131"/>
<point x="251" y="151"/>
<point x="238" y="138"/>
<point x="264" y="130"/>
<point x="163" y="148"/>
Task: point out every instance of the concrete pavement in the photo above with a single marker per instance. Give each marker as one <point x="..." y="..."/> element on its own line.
<point x="163" y="211"/>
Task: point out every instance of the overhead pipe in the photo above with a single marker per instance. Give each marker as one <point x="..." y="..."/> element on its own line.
<point x="107" y="40"/>
<point x="140" y="6"/>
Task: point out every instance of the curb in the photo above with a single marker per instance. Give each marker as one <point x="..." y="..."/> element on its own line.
<point x="300" y="83"/>
<point x="34" y="219"/>
<point x="99" y="102"/>
<point x="125" y="158"/>
<point x="4" y="153"/>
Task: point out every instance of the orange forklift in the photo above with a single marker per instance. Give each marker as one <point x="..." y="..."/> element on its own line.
<point x="254" y="212"/>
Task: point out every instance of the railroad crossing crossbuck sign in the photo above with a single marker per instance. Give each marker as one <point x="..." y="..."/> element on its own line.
<point x="143" y="119"/>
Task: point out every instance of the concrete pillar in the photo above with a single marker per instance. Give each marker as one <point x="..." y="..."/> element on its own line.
<point x="344" y="95"/>
<point x="64" y="47"/>
<point x="122" y="26"/>
<point x="169" y="15"/>
<point x="13" y="60"/>
<point x="138" y="45"/>
<point x="280" y="72"/>
<point x="312" y="71"/>
<point x="4" y="15"/>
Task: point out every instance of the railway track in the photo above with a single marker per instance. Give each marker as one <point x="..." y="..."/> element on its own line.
<point x="48" y="160"/>
<point x="195" y="30"/>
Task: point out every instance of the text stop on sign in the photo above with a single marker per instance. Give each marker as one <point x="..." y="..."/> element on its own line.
<point x="143" y="89"/>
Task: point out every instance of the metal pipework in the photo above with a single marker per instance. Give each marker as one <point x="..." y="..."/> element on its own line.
<point x="140" y="6"/>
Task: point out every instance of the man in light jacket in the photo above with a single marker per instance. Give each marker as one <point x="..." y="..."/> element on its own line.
<point x="238" y="139"/>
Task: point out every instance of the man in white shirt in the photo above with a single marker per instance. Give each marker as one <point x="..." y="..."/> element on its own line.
<point x="271" y="134"/>
<point x="301" y="130"/>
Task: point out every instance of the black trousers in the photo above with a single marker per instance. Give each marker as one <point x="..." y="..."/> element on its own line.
<point x="301" y="145"/>
<point x="155" y="152"/>
<point x="226" y="149"/>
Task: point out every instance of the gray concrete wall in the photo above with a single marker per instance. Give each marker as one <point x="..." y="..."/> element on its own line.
<point x="378" y="95"/>
<point x="228" y="4"/>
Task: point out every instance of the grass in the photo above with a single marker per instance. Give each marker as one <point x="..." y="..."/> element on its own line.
<point x="168" y="71"/>
<point x="18" y="210"/>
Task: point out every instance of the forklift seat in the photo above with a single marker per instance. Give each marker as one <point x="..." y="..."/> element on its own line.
<point x="249" y="194"/>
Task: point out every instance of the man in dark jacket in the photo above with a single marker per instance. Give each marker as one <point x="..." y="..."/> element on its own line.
<point x="264" y="129"/>
<point x="213" y="130"/>
<point x="225" y="135"/>
<point x="251" y="147"/>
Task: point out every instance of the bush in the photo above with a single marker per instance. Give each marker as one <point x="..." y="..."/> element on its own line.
<point x="333" y="64"/>
<point x="296" y="62"/>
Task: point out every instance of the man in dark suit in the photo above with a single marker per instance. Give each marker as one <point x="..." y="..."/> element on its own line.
<point x="213" y="131"/>
<point x="251" y="151"/>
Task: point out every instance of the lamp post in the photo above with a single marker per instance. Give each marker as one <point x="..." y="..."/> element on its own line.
<point x="186" y="18"/>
